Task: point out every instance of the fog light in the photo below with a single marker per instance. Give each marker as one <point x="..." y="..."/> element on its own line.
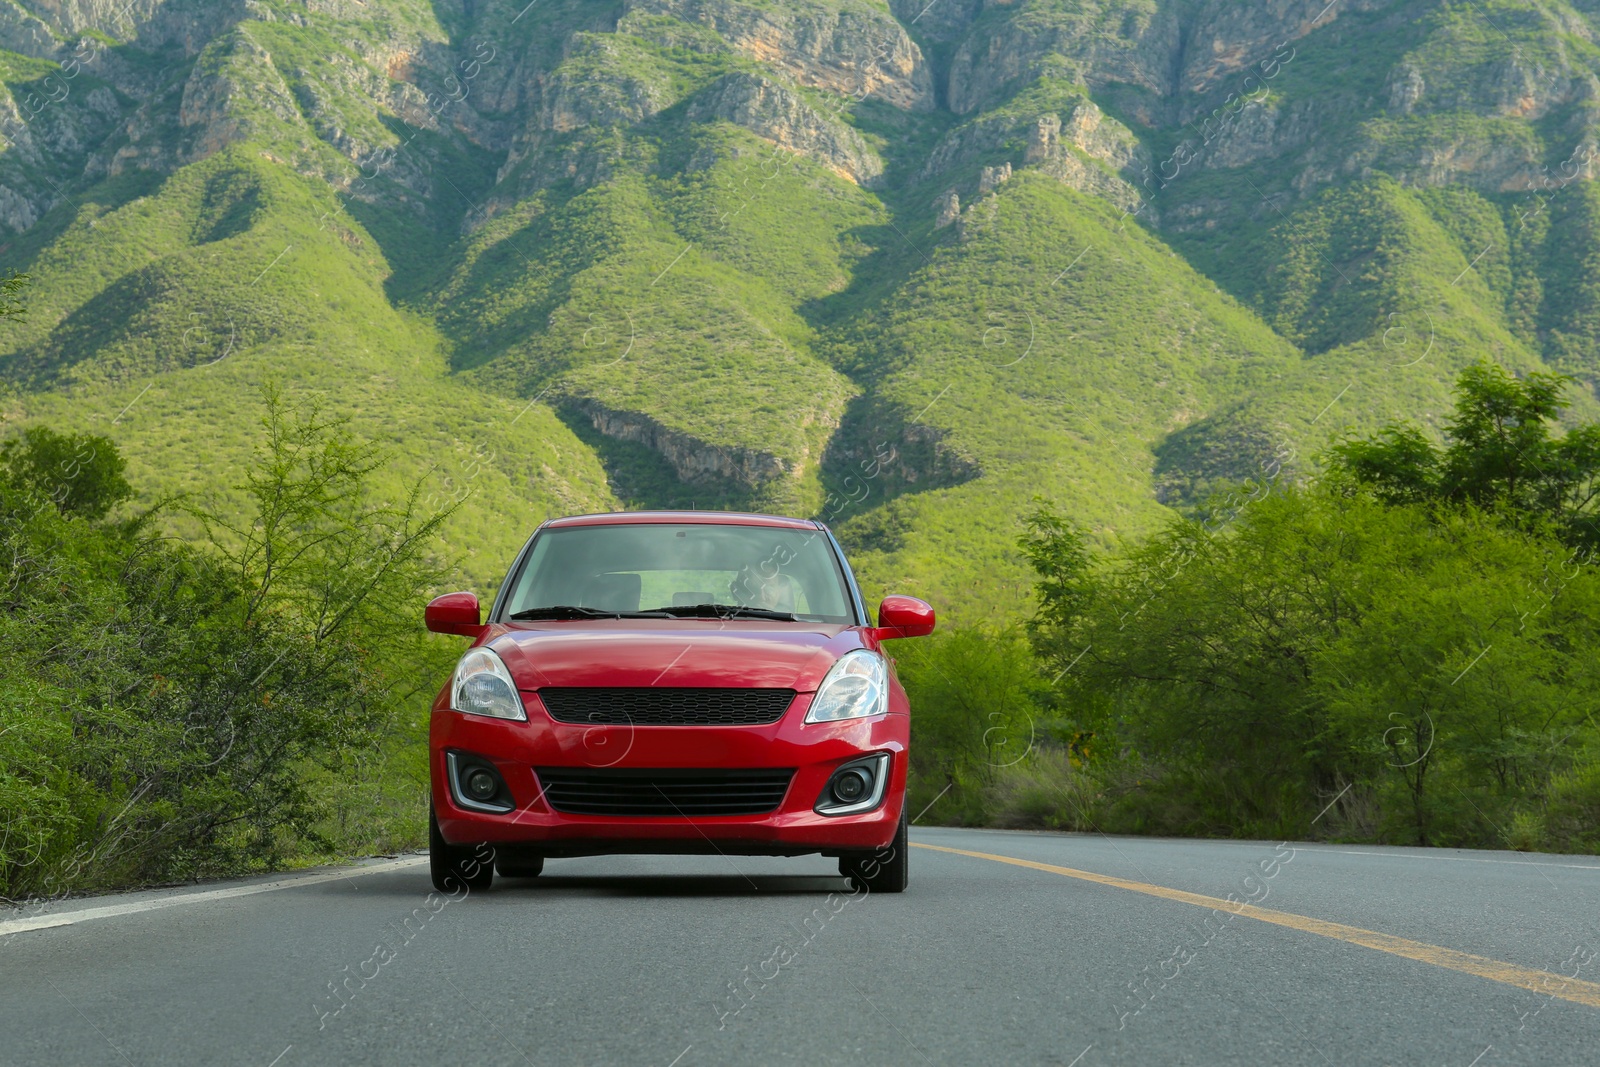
<point x="851" y="785"/>
<point x="858" y="786"/>
<point x="481" y="784"/>
<point x="476" y="785"/>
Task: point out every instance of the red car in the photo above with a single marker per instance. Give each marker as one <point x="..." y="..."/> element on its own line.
<point x="672" y="682"/>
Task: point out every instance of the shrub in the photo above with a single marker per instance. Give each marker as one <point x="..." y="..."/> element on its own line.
<point x="173" y="711"/>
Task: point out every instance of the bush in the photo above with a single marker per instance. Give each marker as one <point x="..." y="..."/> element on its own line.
<point x="169" y="711"/>
<point x="1571" y="818"/>
<point x="80" y="473"/>
<point x="1044" y="792"/>
<point x="975" y="699"/>
<point x="1443" y="660"/>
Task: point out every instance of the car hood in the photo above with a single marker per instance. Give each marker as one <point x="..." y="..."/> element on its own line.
<point x="712" y="654"/>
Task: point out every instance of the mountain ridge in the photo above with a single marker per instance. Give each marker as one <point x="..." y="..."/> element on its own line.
<point x="901" y="266"/>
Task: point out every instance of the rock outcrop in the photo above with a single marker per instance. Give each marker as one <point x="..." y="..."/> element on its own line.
<point x="1078" y="145"/>
<point x="233" y="89"/>
<point x="849" y="47"/>
<point x="778" y="114"/>
<point x="1163" y="49"/>
<point x="878" y="454"/>
<point x="937" y="20"/>
<point x="693" y="460"/>
<point x="991" y="178"/>
<point x="22" y="31"/>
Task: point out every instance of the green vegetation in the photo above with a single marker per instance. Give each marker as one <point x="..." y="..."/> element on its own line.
<point x="169" y="711"/>
<point x="260" y="277"/>
<point x="1402" y="652"/>
<point x="1500" y="457"/>
<point x="982" y="347"/>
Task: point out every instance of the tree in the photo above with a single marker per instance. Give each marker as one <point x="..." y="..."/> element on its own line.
<point x="11" y="287"/>
<point x="1438" y="664"/>
<point x="1062" y="563"/>
<point x="82" y="474"/>
<point x="976" y="694"/>
<point x="318" y="547"/>
<point x="1499" y="455"/>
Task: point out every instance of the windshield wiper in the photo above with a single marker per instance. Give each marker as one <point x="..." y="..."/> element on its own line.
<point x="723" y="611"/>
<point x="570" y="611"/>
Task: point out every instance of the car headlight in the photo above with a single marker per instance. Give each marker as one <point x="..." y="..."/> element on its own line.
<point x="483" y="686"/>
<point x="857" y="686"/>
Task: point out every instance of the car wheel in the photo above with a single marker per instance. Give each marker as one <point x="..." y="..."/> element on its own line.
<point x="511" y="862"/>
<point x="455" y="866"/>
<point x="883" y="870"/>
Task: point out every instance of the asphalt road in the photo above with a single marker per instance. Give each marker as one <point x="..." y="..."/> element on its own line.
<point x="1109" y="952"/>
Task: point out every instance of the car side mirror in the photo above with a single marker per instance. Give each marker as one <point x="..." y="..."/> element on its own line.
<point x="904" y="616"/>
<point x="454" y="613"/>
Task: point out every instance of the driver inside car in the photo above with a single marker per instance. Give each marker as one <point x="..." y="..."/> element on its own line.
<point x="773" y="592"/>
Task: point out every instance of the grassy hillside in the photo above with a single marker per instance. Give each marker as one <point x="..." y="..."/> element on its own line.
<point x="183" y="301"/>
<point x="1000" y="351"/>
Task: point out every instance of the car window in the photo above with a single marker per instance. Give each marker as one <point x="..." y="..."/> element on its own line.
<point x="650" y="566"/>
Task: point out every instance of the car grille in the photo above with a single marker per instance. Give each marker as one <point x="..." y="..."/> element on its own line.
<point x="585" y="791"/>
<point x="652" y="706"/>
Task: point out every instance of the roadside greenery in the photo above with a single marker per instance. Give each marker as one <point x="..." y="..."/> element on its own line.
<point x="1404" y="650"/>
<point x="1499" y="456"/>
<point x="170" y="710"/>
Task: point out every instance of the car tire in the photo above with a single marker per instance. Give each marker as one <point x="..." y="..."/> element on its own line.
<point x="454" y="867"/>
<point x="512" y="862"/>
<point x="883" y="870"/>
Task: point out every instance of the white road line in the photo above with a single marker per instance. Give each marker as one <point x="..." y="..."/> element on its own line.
<point x="109" y="911"/>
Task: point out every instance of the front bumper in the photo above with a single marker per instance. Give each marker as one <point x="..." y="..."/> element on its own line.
<point x="814" y="751"/>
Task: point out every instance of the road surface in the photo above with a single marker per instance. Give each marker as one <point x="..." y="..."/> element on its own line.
<point x="1068" y="949"/>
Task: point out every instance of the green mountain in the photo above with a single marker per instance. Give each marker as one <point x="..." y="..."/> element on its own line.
<point x="903" y="266"/>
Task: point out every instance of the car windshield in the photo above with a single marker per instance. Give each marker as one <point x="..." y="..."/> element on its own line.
<point x="691" y="570"/>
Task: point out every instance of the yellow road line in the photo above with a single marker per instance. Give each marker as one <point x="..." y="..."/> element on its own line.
<point x="1554" y="985"/>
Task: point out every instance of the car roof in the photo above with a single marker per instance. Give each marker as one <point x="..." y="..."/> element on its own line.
<point x="725" y="518"/>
